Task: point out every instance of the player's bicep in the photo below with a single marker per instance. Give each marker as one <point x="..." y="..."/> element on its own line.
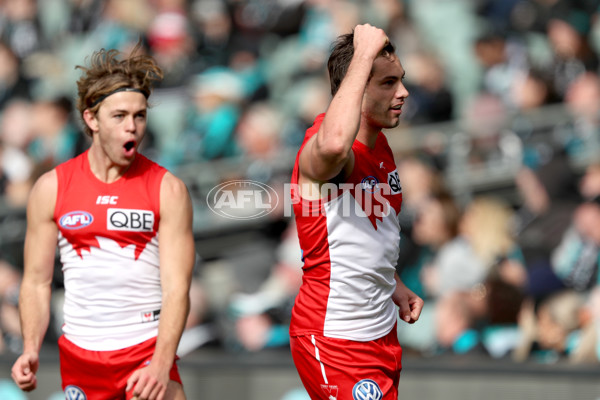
<point x="175" y="235"/>
<point x="42" y="233"/>
<point x="320" y="166"/>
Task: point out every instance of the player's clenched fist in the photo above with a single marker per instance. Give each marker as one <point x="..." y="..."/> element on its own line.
<point x="23" y="371"/>
<point x="369" y="40"/>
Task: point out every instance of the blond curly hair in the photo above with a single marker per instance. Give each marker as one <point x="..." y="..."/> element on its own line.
<point x="107" y="73"/>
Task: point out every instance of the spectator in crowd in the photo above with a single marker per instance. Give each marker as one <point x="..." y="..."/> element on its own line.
<point x="580" y="136"/>
<point x="529" y="91"/>
<point x="172" y="41"/>
<point x="212" y="117"/>
<point x="575" y="261"/>
<point x="436" y="226"/>
<point x="475" y="275"/>
<point x="56" y="137"/>
<point x="20" y="28"/>
<point x="485" y="246"/>
<point x="573" y="55"/>
<point x="556" y="328"/>
<point x="549" y="197"/>
<point x="17" y="167"/>
<point x="13" y="85"/>
<point x="503" y="60"/>
<point x="258" y="131"/>
<point x="558" y="318"/>
<point x="430" y="99"/>
<point x="423" y="232"/>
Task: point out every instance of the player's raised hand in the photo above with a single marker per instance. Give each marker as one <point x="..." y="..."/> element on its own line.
<point x="369" y="40"/>
<point x="24" y="370"/>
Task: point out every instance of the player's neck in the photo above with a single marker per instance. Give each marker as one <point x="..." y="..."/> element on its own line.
<point x="367" y="136"/>
<point x="104" y="168"/>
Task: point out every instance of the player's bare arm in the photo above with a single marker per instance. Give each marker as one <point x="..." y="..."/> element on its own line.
<point x="328" y="152"/>
<point x="177" y="255"/>
<point x="409" y="304"/>
<point x="35" y="291"/>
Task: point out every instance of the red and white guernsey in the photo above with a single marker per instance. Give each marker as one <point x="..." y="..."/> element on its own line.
<point x="108" y="242"/>
<point x="350" y="243"/>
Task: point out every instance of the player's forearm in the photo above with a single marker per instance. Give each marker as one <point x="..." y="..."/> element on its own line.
<point x="34" y="311"/>
<point x="173" y="316"/>
<point x="400" y="289"/>
<point x="342" y="120"/>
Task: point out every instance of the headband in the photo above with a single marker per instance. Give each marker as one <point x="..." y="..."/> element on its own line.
<point x="123" y="89"/>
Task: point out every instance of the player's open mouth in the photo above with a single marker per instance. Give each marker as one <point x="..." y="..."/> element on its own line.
<point x="129" y="146"/>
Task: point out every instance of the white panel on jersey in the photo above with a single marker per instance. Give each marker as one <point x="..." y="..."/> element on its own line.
<point x="109" y="294"/>
<point x="363" y="263"/>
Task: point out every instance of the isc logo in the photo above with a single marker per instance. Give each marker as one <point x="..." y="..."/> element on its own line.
<point x="123" y="219"/>
<point x="75" y="220"/>
<point x="107" y="200"/>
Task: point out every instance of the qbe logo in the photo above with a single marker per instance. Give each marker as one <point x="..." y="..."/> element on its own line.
<point x="242" y="199"/>
<point x="124" y="219"/>
<point x="367" y="389"/>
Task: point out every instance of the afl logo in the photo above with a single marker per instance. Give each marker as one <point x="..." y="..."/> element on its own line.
<point x="370" y="184"/>
<point x="242" y="199"/>
<point x="367" y="389"/>
<point x="72" y="392"/>
<point x="76" y="220"/>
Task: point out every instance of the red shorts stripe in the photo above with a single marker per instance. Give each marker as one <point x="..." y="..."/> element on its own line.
<point x="348" y="370"/>
<point x="103" y="374"/>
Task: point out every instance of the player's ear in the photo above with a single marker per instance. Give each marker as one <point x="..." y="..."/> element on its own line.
<point x="90" y="119"/>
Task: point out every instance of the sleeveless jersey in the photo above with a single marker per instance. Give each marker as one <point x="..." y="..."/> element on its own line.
<point x="350" y="243"/>
<point x="108" y="243"/>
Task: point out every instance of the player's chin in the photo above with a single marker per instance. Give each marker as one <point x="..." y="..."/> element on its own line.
<point x="125" y="161"/>
<point x="392" y="123"/>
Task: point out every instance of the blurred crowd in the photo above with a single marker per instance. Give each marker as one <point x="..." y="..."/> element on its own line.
<point x="506" y="276"/>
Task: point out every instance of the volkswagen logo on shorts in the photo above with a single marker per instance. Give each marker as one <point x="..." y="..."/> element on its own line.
<point x="242" y="199"/>
<point x="72" y="392"/>
<point x="367" y="389"/>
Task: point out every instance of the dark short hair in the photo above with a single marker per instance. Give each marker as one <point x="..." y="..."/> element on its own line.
<point x="340" y="57"/>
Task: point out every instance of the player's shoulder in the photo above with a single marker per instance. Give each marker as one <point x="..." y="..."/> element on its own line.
<point x="172" y="185"/>
<point x="44" y="190"/>
<point x="46" y="182"/>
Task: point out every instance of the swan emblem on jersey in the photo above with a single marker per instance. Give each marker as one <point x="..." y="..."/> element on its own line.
<point x="72" y="392"/>
<point x="366" y="389"/>
<point x="394" y="182"/>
